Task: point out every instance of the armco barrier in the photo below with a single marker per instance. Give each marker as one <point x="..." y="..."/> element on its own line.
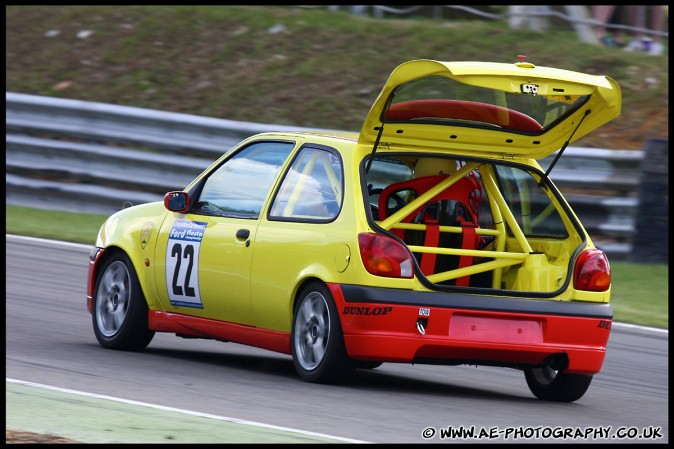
<point x="91" y="157"/>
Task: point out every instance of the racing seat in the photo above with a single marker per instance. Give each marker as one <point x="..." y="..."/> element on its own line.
<point x="457" y="205"/>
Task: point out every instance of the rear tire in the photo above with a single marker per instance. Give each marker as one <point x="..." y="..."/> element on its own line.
<point x="549" y="384"/>
<point x="120" y="312"/>
<point x="317" y="345"/>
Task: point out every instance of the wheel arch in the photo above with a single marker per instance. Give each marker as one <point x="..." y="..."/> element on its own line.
<point x="121" y="322"/>
<point x="318" y="350"/>
<point x="137" y="263"/>
<point x="134" y="232"/>
<point x="299" y="288"/>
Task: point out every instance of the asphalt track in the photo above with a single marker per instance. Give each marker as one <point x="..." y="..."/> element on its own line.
<point x="60" y="382"/>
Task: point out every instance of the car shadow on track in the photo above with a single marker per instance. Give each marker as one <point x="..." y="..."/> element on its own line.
<point x="379" y="380"/>
<point x="281" y="367"/>
<point x="276" y="364"/>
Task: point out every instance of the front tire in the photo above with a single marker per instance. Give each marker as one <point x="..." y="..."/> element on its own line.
<point x="317" y="345"/>
<point x="549" y="384"/>
<point x="120" y="312"/>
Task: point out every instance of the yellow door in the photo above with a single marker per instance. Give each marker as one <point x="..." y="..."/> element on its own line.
<point x="205" y="266"/>
<point x="204" y="257"/>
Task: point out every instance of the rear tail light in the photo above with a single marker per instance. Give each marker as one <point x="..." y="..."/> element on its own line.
<point x="592" y="271"/>
<point x="384" y="256"/>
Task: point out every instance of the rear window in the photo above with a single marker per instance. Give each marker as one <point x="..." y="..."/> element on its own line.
<point x="531" y="206"/>
<point x="442" y="100"/>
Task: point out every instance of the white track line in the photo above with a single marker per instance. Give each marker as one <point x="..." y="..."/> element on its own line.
<point x="186" y="412"/>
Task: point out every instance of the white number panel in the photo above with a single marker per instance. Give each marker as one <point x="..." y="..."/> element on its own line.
<point x="182" y="263"/>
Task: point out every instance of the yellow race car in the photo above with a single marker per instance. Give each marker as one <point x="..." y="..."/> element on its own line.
<point x="432" y="236"/>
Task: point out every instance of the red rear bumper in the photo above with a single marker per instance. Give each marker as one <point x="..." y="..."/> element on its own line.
<point x="435" y="327"/>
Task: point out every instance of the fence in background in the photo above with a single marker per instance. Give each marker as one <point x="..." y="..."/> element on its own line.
<point x="535" y="18"/>
<point x="91" y="157"/>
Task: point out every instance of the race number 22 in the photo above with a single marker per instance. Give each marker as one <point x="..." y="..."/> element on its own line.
<point x="182" y="263"/>
<point x="177" y="253"/>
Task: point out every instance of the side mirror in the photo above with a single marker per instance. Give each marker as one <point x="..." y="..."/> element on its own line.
<point x="177" y="202"/>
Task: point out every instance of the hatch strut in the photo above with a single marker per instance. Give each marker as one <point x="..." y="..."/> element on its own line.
<point x="381" y="130"/>
<point x="374" y="148"/>
<point x="545" y="176"/>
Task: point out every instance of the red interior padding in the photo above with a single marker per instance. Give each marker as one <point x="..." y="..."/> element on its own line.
<point x="460" y="191"/>
<point x="464" y="110"/>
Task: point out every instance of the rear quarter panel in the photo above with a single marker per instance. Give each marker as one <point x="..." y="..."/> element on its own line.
<point x="289" y="254"/>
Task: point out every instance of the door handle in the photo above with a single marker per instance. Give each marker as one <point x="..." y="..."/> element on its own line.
<point x="242" y="234"/>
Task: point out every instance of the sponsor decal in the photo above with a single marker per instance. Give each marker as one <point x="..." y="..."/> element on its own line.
<point x="145" y="234"/>
<point x="367" y="310"/>
<point x="424" y="311"/>
<point x="604" y="324"/>
<point x="182" y="263"/>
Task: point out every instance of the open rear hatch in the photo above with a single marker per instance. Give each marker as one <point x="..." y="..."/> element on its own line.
<point x="497" y="226"/>
<point x="489" y="108"/>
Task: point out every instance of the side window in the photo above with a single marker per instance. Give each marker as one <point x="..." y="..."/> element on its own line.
<point x="533" y="209"/>
<point x="312" y="188"/>
<point x="240" y="186"/>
